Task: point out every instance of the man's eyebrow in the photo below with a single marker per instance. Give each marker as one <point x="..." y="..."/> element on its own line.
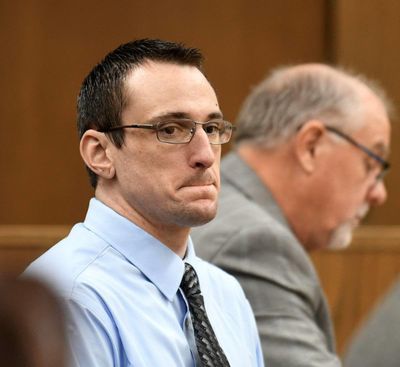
<point x="215" y="116"/>
<point x="185" y="115"/>
<point x="381" y="149"/>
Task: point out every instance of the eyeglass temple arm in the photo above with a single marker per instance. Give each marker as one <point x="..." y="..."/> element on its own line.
<point x="133" y="126"/>
<point x="385" y="164"/>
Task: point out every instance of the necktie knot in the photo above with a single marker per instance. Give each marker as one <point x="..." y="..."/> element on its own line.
<point x="190" y="283"/>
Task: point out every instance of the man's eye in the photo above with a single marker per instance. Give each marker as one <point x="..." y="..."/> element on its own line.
<point x="371" y="164"/>
<point x="213" y="128"/>
<point x="170" y="129"/>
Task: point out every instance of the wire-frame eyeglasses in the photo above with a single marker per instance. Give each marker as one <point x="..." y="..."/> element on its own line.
<point x="385" y="165"/>
<point x="181" y="131"/>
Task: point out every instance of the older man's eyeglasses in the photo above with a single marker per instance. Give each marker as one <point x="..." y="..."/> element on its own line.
<point x="384" y="165"/>
<point x="181" y="131"/>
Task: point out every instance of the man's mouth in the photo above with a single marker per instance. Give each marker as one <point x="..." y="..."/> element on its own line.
<point x="205" y="180"/>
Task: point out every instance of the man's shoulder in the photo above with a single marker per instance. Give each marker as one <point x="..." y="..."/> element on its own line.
<point x="249" y="238"/>
<point x="62" y="264"/>
<point x="241" y="222"/>
<point x="233" y="201"/>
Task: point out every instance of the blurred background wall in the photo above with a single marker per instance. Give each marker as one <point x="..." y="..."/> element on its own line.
<point x="47" y="48"/>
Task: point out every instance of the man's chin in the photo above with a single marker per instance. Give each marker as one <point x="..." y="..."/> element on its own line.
<point x="341" y="237"/>
<point x="203" y="218"/>
<point x="198" y="215"/>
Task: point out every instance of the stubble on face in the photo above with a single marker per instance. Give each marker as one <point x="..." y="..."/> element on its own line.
<point x="199" y="201"/>
<point x="342" y="236"/>
<point x="186" y="199"/>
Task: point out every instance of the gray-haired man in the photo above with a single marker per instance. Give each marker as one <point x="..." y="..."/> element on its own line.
<point x="308" y="163"/>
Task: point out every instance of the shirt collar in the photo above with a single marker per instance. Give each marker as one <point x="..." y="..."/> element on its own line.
<point x="163" y="267"/>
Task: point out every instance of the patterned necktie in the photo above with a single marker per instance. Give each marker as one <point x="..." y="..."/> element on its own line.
<point x="210" y="352"/>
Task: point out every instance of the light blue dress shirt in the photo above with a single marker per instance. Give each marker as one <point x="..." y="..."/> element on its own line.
<point x="121" y="287"/>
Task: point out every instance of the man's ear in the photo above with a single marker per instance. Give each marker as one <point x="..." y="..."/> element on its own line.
<point x="95" y="151"/>
<point x="307" y="144"/>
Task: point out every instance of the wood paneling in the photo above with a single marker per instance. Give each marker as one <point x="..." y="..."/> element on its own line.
<point x="21" y="244"/>
<point x="48" y="47"/>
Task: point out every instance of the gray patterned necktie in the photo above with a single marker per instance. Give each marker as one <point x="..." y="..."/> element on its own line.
<point x="210" y="352"/>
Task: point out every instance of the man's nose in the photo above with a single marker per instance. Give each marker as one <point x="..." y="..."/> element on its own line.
<point x="203" y="154"/>
<point x="377" y="194"/>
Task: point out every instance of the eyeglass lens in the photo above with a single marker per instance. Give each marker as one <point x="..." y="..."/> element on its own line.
<point x="182" y="131"/>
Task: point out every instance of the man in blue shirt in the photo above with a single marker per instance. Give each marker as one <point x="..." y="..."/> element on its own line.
<point x="151" y="133"/>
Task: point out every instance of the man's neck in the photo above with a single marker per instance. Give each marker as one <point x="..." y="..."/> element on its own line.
<point x="172" y="236"/>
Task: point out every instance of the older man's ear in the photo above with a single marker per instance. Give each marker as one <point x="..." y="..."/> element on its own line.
<point x="308" y="143"/>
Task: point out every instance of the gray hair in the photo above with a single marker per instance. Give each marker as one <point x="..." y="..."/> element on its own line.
<point x="291" y="96"/>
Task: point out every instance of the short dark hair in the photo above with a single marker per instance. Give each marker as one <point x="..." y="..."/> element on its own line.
<point x="102" y="98"/>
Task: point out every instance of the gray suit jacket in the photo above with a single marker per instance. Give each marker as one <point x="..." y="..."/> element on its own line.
<point x="251" y="239"/>
<point x="378" y="341"/>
